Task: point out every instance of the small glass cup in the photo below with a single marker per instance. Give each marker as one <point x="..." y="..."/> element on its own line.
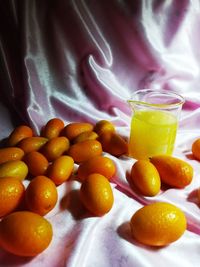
<point x="154" y="122"/>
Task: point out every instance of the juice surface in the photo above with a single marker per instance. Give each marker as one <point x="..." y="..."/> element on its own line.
<point x="152" y="133"/>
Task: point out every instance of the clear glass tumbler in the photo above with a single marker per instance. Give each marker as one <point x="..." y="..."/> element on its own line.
<point x="154" y="122"/>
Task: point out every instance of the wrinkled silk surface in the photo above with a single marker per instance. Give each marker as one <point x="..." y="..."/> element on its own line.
<point x="80" y="60"/>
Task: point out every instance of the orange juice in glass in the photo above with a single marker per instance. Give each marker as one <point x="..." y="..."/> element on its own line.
<point x="154" y="122"/>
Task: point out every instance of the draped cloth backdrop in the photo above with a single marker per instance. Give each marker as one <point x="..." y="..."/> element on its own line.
<point x="81" y="60"/>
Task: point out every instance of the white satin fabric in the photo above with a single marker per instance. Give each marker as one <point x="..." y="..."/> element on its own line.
<point x="81" y="60"/>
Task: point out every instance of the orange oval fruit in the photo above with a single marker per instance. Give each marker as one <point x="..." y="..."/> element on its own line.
<point x="96" y="194"/>
<point x="25" y="233"/>
<point x="55" y="147"/>
<point x="10" y="153"/>
<point x="102" y="165"/>
<point x="73" y="129"/>
<point x="113" y="143"/>
<point x="104" y="126"/>
<point x="11" y="195"/>
<point x="41" y="195"/>
<point x="89" y="135"/>
<point x="36" y="162"/>
<point x="85" y="150"/>
<point x="173" y="171"/>
<point x="158" y="224"/>
<point x="16" y="169"/>
<point x="53" y="128"/>
<point x="145" y="178"/>
<point x="196" y="149"/>
<point x="61" y="169"/>
<point x="30" y="144"/>
<point x="18" y="134"/>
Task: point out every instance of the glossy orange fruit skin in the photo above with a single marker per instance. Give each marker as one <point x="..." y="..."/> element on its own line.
<point x="104" y="126"/>
<point x="30" y="144"/>
<point x="10" y="153"/>
<point x="11" y="195"/>
<point x="73" y="129"/>
<point x="99" y="164"/>
<point x="53" y="128"/>
<point x="158" y="224"/>
<point x="96" y="194"/>
<point x="89" y="135"/>
<point x="18" y="134"/>
<point x="36" y="162"/>
<point x="61" y="169"/>
<point x="41" y="195"/>
<point x="196" y="149"/>
<point x="25" y="233"/>
<point x="16" y="169"/>
<point x="113" y="143"/>
<point x="85" y="150"/>
<point x="145" y="178"/>
<point x="173" y="171"/>
<point x="55" y="147"/>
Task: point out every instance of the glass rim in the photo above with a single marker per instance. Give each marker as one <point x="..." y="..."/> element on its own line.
<point x="180" y="99"/>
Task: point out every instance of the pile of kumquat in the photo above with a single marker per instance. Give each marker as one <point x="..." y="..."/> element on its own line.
<point x="47" y="160"/>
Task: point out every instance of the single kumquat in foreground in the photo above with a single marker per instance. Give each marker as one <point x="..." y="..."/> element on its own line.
<point x="18" y="134"/>
<point x="158" y="224"/>
<point x="30" y="144"/>
<point x="85" y="150"/>
<point x="145" y="178"/>
<point x="103" y="126"/>
<point x="36" y="162"/>
<point x="96" y="194"/>
<point x="25" y="233"/>
<point x="99" y="164"/>
<point x="11" y="195"/>
<point x="41" y="195"/>
<point x="16" y="169"/>
<point x="61" y="169"/>
<point x="53" y="128"/>
<point x="55" y="148"/>
<point x="196" y="149"/>
<point x="173" y="171"/>
<point x="10" y="153"/>
<point x="72" y="130"/>
<point x="113" y="143"/>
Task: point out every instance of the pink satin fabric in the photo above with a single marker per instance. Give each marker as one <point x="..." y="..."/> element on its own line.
<point x="81" y="60"/>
